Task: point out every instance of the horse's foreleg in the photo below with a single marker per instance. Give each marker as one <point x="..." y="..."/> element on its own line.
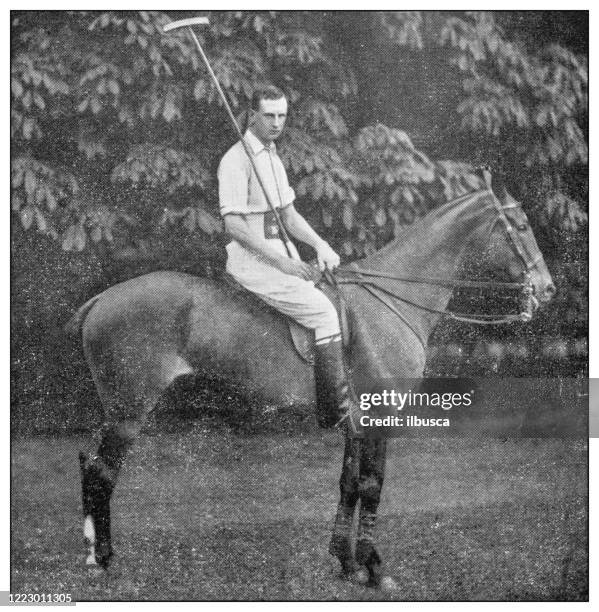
<point x="372" y="472"/>
<point x="340" y="545"/>
<point x="99" y="474"/>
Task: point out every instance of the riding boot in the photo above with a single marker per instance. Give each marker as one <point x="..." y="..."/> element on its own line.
<point x="335" y="401"/>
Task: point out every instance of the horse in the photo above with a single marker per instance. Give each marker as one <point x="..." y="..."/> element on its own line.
<point x="141" y="335"/>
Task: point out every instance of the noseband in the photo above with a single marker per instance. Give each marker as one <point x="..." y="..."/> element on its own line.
<point x="355" y="275"/>
<point x="515" y="240"/>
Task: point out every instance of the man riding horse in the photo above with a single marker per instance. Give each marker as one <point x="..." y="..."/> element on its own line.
<point x="257" y="257"/>
<point x="140" y="336"/>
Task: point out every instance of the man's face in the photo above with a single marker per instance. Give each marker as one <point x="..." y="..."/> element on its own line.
<point x="268" y="121"/>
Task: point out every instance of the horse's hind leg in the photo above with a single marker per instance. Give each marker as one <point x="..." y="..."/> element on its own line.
<point x="127" y="399"/>
<point x="340" y="545"/>
<point x="99" y="474"/>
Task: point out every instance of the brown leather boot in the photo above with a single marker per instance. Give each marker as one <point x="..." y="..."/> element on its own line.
<point x="335" y="402"/>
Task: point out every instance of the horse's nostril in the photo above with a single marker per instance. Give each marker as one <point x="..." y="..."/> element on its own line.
<point x="550" y="290"/>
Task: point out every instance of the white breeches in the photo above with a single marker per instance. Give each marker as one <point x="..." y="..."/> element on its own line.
<point x="293" y="296"/>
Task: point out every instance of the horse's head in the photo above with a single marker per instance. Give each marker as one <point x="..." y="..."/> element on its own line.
<point x="512" y="245"/>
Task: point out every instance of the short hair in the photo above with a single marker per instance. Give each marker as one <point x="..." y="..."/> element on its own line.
<point x="268" y="92"/>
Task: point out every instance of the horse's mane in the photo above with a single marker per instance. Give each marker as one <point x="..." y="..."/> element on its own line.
<point x="451" y="208"/>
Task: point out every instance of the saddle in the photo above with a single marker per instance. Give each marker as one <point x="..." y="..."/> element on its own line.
<point x="302" y="337"/>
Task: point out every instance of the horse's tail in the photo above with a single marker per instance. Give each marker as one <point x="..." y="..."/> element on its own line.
<point x="75" y="323"/>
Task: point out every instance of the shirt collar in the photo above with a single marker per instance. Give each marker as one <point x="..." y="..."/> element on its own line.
<point x="257" y="145"/>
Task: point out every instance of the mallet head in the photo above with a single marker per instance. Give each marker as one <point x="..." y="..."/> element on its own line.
<point x="191" y="21"/>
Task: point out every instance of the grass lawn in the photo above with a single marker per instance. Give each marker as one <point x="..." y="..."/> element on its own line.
<point x="214" y="514"/>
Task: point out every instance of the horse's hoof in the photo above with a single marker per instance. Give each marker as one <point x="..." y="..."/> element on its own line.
<point x="388" y="585"/>
<point x="360" y="576"/>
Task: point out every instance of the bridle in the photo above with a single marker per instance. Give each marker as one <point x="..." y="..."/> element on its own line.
<point x="365" y="278"/>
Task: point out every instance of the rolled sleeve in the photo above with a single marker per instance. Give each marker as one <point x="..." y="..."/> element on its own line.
<point x="233" y="181"/>
<point x="290" y="196"/>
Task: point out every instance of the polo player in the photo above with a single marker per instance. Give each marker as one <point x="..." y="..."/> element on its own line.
<point x="257" y="257"/>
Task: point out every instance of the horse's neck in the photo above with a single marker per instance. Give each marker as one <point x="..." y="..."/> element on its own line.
<point x="439" y="246"/>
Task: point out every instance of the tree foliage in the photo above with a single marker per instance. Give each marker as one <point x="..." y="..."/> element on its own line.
<point x="526" y="110"/>
<point x="117" y="129"/>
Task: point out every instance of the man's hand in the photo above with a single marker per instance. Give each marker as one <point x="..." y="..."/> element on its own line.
<point x="298" y="268"/>
<point x="298" y="227"/>
<point x="327" y="258"/>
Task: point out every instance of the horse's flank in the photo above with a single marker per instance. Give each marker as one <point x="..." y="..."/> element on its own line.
<point x="167" y="324"/>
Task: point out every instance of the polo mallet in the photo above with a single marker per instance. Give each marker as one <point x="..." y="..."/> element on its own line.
<point x="188" y="23"/>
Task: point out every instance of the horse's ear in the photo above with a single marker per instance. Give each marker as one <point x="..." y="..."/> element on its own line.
<point x="484" y="173"/>
<point x="498" y="187"/>
<point x="494" y="181"/>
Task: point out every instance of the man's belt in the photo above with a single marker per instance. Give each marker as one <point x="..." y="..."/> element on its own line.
<point x="271" y="227"/>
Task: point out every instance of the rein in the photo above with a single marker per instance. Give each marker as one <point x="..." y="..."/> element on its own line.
<point x="363" y="278"/>
<point x="479" y="319"/>
<point x="426" y="280"/>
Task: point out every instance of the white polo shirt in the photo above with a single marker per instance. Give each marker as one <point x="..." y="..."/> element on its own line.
<point x="239" y="191"/>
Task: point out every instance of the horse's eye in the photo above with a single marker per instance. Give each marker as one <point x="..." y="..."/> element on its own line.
<point x="522" y="227"/>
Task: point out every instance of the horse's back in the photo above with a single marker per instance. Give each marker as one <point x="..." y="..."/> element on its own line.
<point x="162" y="299"/>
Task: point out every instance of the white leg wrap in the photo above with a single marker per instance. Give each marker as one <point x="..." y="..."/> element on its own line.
<point x="89" y="532"/>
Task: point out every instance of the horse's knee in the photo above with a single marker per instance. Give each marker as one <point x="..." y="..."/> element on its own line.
<point x="127" y="431"/>
<point x="348" y="481"/>
<point x="349" y="491"/>
<point x="117" y="439"/>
